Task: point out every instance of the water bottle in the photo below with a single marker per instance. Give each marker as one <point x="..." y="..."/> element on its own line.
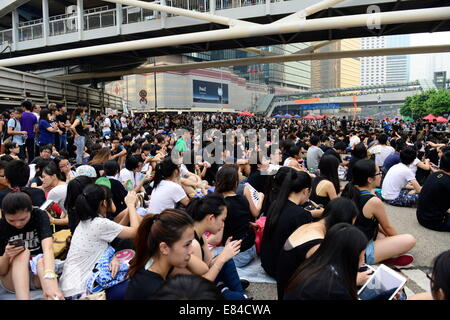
<point x="129" y="185"/>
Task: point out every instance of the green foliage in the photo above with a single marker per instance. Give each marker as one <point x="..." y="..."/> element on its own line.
<point x="431" y="101"/>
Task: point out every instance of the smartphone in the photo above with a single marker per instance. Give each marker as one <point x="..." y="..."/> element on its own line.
<point x="47" y="205"/>
<point x="17" y="243"/>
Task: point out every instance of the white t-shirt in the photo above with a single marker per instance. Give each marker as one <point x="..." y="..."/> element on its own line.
<point x="396" y="178"/>
<point x="413" y="166"/>
<point x="354" y="140"/>
<point x="385" y="151"/>
<point x="108" y="125"/>
<point x="166" y="195"/>
<point x="126" y="175"/>
<point x="90" y="240"/>
<point x="58" y="194"/>
<point x="123" y="121"/>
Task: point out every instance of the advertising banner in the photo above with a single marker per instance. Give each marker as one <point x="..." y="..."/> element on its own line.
<point x="210" y="92"/>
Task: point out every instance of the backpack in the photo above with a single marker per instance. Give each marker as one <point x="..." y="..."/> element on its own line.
<point x="7" y="137"/>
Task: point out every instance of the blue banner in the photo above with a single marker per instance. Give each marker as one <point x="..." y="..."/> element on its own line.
<point x="210" y="92"/>
<point x="319" y="106"/>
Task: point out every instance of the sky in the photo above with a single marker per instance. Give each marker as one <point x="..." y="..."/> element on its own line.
<point x="423" y="65"/>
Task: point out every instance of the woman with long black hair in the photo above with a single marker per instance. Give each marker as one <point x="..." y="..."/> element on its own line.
<point x="384" y="240"/>
<point x="167" y="192"/>
<point x="331" y="272"/>
<point x="326" y="186"/>
<point x="304" y="241"/>
<point x="284" y="216"/>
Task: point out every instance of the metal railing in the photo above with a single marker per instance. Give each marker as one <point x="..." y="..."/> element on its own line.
<point x="63" y="24"/>
<point x="133" y="15"/>
<point x="6" y="36"/>
<point x="100" y="19"/>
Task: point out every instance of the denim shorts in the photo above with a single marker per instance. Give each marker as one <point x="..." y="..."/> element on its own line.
<point x="370" y="253"/>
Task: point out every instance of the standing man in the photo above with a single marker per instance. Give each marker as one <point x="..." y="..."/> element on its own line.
<point x="63" y="124"/>
<point x="106" y="125"/>
<point x="28" y="123"/>
<point x="15" y="130"/>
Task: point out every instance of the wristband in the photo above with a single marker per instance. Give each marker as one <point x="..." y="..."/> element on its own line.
<point x="50" y="274"/>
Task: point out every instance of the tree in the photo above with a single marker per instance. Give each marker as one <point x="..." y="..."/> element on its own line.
<point x="430" y="101"/>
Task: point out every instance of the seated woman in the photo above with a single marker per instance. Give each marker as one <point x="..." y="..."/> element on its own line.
<point x="326" y="186"/>
<point x="284" y="216"/>
<point x="102" y="155"/>
<point x="384" y="240"/>
<point x="400" y="187"/>
<point x="433" y="207"/>
<point x="12" y="149"/>
<point x="119" y="192"/>
<point x="163" y="241"/>
<point x="359" y="152"/>
<point x="131" y="176"/>
<point x="167" y="192"/>
<point x="240" y="214"/>
<point x="26" y="256"/>
<point x="295" y="155"/>
<point x="75" y="187"/>
<point x="439" y="280"/>
<point x="209" y="214"/>
<point x="65" y="168"/>
<point x="52" y="181"/>
<point x="304" y="241"/>
<point x="39" y="168"/>
<point x="331" y="272"/>
<point x="92" y="237"/>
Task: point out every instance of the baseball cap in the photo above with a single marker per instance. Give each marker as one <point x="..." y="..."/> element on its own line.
<point x="102" y="181"/>
<point x="87" y="171"/>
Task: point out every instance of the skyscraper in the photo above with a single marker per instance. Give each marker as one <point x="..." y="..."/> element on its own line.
<point x="337" y="73"/>
<point x="373" y="69"/>
<point x="397" y="67"/>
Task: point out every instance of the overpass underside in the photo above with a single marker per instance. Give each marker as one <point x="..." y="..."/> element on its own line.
<point x="130" y="59"/>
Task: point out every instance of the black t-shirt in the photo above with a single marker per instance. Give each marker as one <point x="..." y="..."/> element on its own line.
<point x="434" y="201"/>
<point x="36" y="230"/>
<point x="37" y="195"/>
<point x="332" y="152"/>
<point x="118" y="195"/>
<point x="143" y="285"/>
<point x="291" y="217"/>
<point x="237" y="222"/>
<point x="62" y="118"/>
<point x="327" y="285"/>
<point x="289" y="260"/>
<point x="257" y="181"/>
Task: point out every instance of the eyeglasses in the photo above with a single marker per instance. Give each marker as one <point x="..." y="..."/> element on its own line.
<point x="429" y="276"/>
<point x="378" y="174"/>
<point x="64" y="165"/>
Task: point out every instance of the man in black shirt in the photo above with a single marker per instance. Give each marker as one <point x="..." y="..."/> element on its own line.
<point x="433" y="207"/>
<point x="337" y="150"/>
<point x="63" y="124"/>
<point x="17" y="174"/>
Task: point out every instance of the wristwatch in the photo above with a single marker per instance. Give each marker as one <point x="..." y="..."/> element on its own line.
<point x="50" y="275"/>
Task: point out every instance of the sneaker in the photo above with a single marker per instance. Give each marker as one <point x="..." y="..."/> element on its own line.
<point x="403" y="261"/>
<point x="244" y="283"/>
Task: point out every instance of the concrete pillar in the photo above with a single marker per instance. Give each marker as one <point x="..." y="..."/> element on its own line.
<point x="267" y="7"/>
<point x="46" y="21"/>
<point x="212" y="6"/>
<point x="15" y="30"/>
<point x="80" y="19"/>
<point x="119" y="18"/>
<point x="163" y="15"/>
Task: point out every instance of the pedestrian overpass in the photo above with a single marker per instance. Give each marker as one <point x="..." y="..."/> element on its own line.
<point x="342" y="101"/>
<point x="110" y="35"/>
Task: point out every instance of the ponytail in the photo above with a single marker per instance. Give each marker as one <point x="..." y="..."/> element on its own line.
<point x="164" y="170"/>
<point x="362" y="170"/>
<point x="295" y="181"/>
<point x="167" y="227"/>
<point x="351" y="192"/>
<point x="199" y="208"/>
<point x="88" y="202"/>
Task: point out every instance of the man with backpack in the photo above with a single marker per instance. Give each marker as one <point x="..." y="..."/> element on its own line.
<point x="14" y="131"/>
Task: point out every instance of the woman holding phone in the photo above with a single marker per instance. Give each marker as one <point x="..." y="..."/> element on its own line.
<point x="26" y="249"/>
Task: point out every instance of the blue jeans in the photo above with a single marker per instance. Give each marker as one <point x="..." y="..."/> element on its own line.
<point x="79" y="143"/>
<point x="63" y="142"/>
<point x="370" y="253"/>
<point x="244" y="258"/>
<point x="230" y="278"/>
